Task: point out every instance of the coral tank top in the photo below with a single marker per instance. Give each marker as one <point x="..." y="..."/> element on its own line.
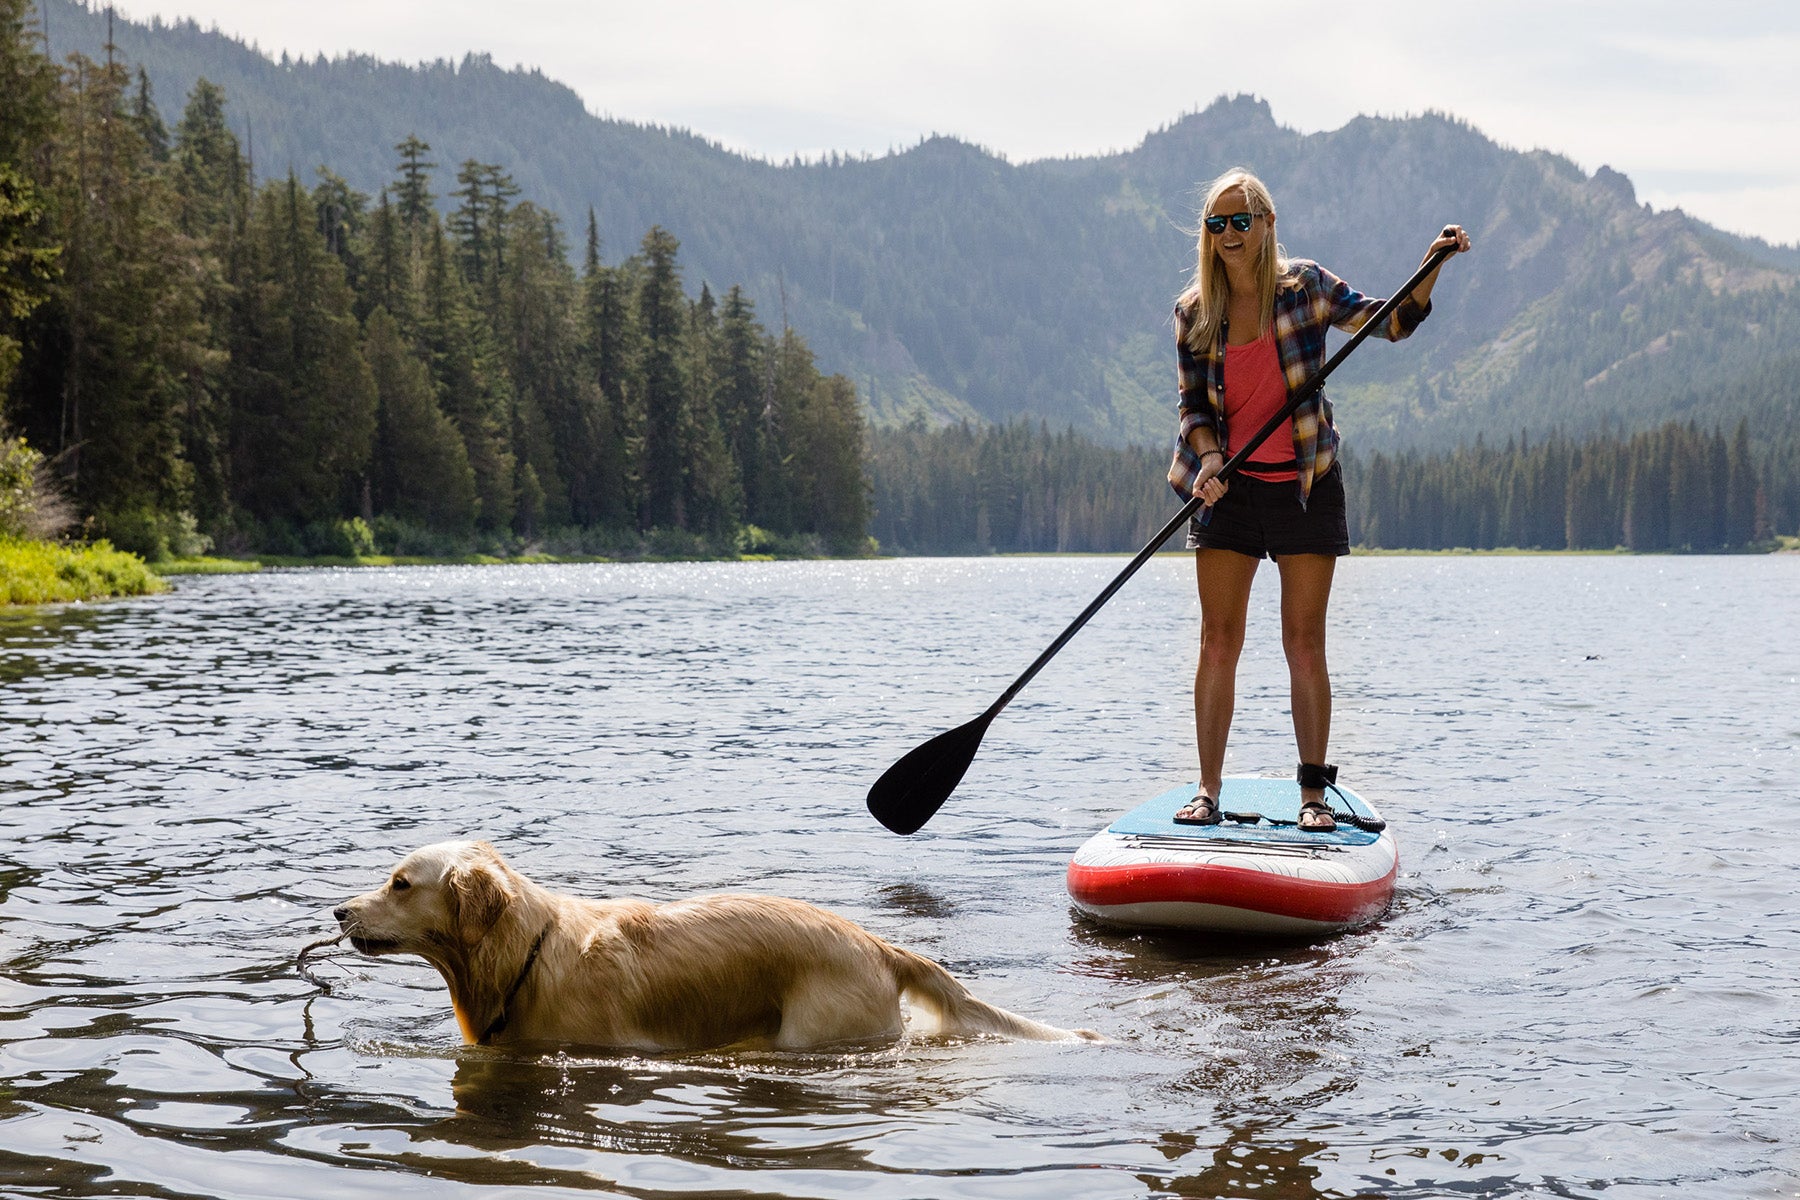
<point x="1255" y="390"/>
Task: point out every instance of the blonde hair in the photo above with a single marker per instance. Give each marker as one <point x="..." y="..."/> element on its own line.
<point x="1208" y="294"/>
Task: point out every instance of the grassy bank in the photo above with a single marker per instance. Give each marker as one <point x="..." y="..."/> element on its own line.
<point x="387" y="543"/>
<point x="251" y="565"/>
<point x="258" y="562"/>
<point x="206" y="566"/>
<point x="52" y="573"/>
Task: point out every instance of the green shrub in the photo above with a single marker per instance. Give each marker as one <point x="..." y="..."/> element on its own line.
<point x="403" y="538"/>
<point x="136" y="531"/>
<point x="153" y="536"/>
<point x="339" y="539"/>
<point x="754" y="539"/>
<point x="49" y="573"/>
<point x="277" y="537"/>
<point x="676" y="543"/>
<point x="575" y="541"/>
<point x="33" y="505"/>
<point x="18" y="470"/>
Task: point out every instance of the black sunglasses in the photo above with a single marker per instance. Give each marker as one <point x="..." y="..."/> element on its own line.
<point x="1239" y="221"/>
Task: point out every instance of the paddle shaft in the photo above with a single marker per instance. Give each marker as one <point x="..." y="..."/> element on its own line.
<point x="1301" y="395"/>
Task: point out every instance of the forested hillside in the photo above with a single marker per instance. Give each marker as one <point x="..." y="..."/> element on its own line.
<point x="301" y="367"/>
<point x="949" y="282"/>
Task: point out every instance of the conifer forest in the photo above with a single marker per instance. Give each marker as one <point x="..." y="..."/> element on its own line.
<point x="291" y="366"/>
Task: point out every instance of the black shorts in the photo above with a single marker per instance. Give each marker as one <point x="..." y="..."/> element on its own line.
<point x="1262" y="517"/>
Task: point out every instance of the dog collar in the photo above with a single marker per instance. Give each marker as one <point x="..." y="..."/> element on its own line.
<point x="513" y="992"/>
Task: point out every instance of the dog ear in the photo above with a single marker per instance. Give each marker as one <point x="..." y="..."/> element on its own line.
<point x="479" y="893"/>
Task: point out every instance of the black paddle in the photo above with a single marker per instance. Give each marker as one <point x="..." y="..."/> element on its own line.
<point x="911" y="791"/>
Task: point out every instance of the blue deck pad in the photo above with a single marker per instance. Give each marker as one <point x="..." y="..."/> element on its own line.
<point x="1277" y="798"/>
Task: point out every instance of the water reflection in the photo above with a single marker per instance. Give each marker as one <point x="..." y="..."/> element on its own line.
<point x="917" y="901"/>
<point x="1253" y="1160"/>
<point x="1272" y="1043"/>
<point x="723" y="1114"/>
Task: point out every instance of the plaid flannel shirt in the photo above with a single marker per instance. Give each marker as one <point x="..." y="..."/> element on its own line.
<point x="1308" y="301"/>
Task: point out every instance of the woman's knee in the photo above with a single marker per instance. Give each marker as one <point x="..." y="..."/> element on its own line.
<point x="1221" y="643"/>
<point x="1305" y="649"/>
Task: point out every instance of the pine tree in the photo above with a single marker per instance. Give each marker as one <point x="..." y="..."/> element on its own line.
<point x="28" y="255"/>
<point x="211" y="176"/>
<point x="128" y="308"/>
<point x="608" y="351"/>
<point x="469" y="223"/>
<point x="535" y="292"/>
<point x="389" y="269"/>
<point x="28" y="264"/>
<point x="712" y="496"/>
<point x="28" y="94"/>
<point x="421" y="467"/>
<point x="1647" y="493"/>
<point x="306" y="423"/>
<point x="834" y="456"/>
<point x="412" y="190"/>
<point x="211" y="182"/>
<point x="791" y="374"/>
<point x="662" y="318"/>
<point x="472" y="386"/>
<point x="341" y="210"/>
<point x="1740" y="491"/>
<point x="479" y="224"/>
<point x="528" y="517"/>
<point x="149" y="121"/>
<point x="737" y="371"/>
<point x="1718" y="471"/>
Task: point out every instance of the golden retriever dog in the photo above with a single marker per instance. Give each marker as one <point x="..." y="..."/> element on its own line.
<point x="525" y="964"/>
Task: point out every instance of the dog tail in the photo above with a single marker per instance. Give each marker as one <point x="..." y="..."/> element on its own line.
<point x="959" y="1013"/>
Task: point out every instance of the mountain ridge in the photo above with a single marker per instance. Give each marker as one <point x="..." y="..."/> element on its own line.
<point x="951" y="283"/>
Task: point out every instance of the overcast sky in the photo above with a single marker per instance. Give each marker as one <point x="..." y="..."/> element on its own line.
<point x="1699" y="103"/>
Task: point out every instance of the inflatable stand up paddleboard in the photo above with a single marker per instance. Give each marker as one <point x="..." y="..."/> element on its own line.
<point x="1264" y="877"/>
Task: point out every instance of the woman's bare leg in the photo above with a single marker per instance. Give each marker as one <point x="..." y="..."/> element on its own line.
<point x="1224" y="578"/>
<point x="1305" y="594"/>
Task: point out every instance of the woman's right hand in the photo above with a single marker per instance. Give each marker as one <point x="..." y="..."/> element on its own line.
<point x="1210" y="488"/>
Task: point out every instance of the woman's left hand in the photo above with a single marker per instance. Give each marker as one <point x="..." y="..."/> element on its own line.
<point x="1454" y="237"/>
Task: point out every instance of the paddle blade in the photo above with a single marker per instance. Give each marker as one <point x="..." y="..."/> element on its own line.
<point x="913" y="789"/>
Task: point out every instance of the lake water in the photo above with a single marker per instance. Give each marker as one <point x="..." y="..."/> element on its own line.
<point x="1586" y="987"/>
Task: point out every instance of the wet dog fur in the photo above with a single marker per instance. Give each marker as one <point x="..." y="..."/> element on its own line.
<point x="525" y="964"/>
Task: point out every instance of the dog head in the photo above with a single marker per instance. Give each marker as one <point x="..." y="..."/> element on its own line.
<point x="444" y="897"/>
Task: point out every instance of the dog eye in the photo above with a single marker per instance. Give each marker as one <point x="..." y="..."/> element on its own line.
<point x="401" y="883"/>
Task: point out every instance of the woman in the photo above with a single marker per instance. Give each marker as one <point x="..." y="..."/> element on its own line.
<point x="1251" y="326"/>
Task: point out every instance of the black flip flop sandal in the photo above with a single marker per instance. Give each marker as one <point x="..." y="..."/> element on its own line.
<point x="1202" y="801"/>
<point x="1317" y="775"/>
<point x="1317" y="817"/>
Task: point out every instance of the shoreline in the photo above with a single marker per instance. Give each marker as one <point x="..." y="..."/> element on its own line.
<point x="34" y="573"/>
<point x="273" y="562"/>
<point x="284" y="562"/>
